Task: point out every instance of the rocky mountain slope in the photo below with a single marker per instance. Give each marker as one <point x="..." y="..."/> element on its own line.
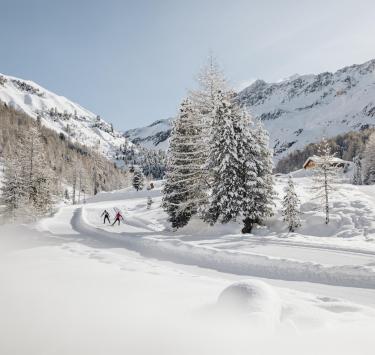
<point x="299" y="110"/>
<point x="154" y="136"/>
<point x="62" y="115"/>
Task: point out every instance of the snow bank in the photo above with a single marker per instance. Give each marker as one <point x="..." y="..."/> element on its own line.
<point x="255" y="299"/>
<point x="88" y="298"/>
<point x="232" y="261"/>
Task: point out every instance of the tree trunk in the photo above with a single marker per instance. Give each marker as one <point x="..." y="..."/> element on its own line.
<point x="326" y="196"/>
<point x="248" y="225"/>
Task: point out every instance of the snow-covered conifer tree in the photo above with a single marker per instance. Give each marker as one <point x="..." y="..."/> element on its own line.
<point x="38" y="177"/>
<point x="28" y="176"/>
<point x="138" y="179"/>
<point x="210" y="80"/>
<point x="369" y="161"/>
<point x="357" y="174"/>
<point x="242" y="167"/>
<point x="225" y="162"/>
<point x="97" y="167"/>
<point x="257" y="171"/>
<point x="14" y="194"/>
<point x="325" y="175"/>
<point x="291" y="207"/>
<point x="183" y="190"/>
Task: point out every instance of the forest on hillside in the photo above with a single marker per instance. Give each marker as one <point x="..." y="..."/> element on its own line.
<point x="59" y="167"/>
<point x="346" y="146"/>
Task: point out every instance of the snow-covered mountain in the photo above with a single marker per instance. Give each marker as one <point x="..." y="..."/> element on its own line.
<point x="62" y="115"/>
<point x="298" y="110"/>
<point x="154" y="136"/>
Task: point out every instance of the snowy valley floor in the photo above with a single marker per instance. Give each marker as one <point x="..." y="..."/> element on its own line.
<point x="70" y="285"/>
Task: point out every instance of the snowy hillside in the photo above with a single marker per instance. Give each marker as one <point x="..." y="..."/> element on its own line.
<point x="301" y="109"/>
<point x="154" y="136"/>
<point x="61" y="115"/>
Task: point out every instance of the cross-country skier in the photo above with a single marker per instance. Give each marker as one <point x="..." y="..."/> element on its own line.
<point x="106" y="216"/>
<point x="117" y="218"/>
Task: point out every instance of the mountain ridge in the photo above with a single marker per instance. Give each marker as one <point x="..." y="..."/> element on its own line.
<point x="62" y="115"/>
<point x="301" y="109"/>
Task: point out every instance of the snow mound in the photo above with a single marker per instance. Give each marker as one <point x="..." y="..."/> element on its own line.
<point x="253" y="298"/>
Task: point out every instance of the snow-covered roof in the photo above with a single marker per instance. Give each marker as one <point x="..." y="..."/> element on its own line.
<point x="316" y="159"/>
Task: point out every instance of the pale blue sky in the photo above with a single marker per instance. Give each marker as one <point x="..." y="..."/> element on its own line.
<point x="132" y="61"/>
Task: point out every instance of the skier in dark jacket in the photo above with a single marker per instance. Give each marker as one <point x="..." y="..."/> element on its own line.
<point x="106" y="216"/>
<point x="117" y="218"/>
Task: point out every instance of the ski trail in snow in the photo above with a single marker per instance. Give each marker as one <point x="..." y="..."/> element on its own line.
<point x="230" y="261"/>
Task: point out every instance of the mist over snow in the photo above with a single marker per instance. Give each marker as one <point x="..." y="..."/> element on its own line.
<point x="69" y="284"/>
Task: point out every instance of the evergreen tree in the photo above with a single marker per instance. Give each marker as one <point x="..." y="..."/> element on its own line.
<point x="14" y="193"/>
<point x="291" y="207"/>
<point x="369" y="161"/>
<point x="183" y="191"/>
<point x="325" y="174"/>
<point x="97" y="167"/>
<point x="242" y="167"/>
<point x="211" y="80"/>
<point x="205" y="98"/>
<point x="39" y="178"/>
<point x="225" y="202"/>
<point x="257" y="171"/>
<point x="28" y="183"/>
<point x="357" y="174"/>
<point x="138" y="179"/>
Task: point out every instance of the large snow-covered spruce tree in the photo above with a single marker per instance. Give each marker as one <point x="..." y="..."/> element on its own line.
<point x="257" y="174"/>
<point x="241" y="164"/>
<point x="183" y="191"/>
<point x="204" y="99"/>
<point x="225" y="203"/>
<point x="291" y="207"/>
<point x="369" y="161"/>
<point x="325" y="175"/>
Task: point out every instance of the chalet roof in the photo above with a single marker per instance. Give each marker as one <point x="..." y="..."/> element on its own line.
<point x="316" y="159"/>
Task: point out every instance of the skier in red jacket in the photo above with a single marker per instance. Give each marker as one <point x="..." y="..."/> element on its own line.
<point x="117" y="218"/>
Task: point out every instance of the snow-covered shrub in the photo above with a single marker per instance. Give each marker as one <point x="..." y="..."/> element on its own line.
<point x="27" y="88"/>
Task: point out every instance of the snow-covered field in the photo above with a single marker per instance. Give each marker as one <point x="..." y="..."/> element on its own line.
<point x="70" y="285"/>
